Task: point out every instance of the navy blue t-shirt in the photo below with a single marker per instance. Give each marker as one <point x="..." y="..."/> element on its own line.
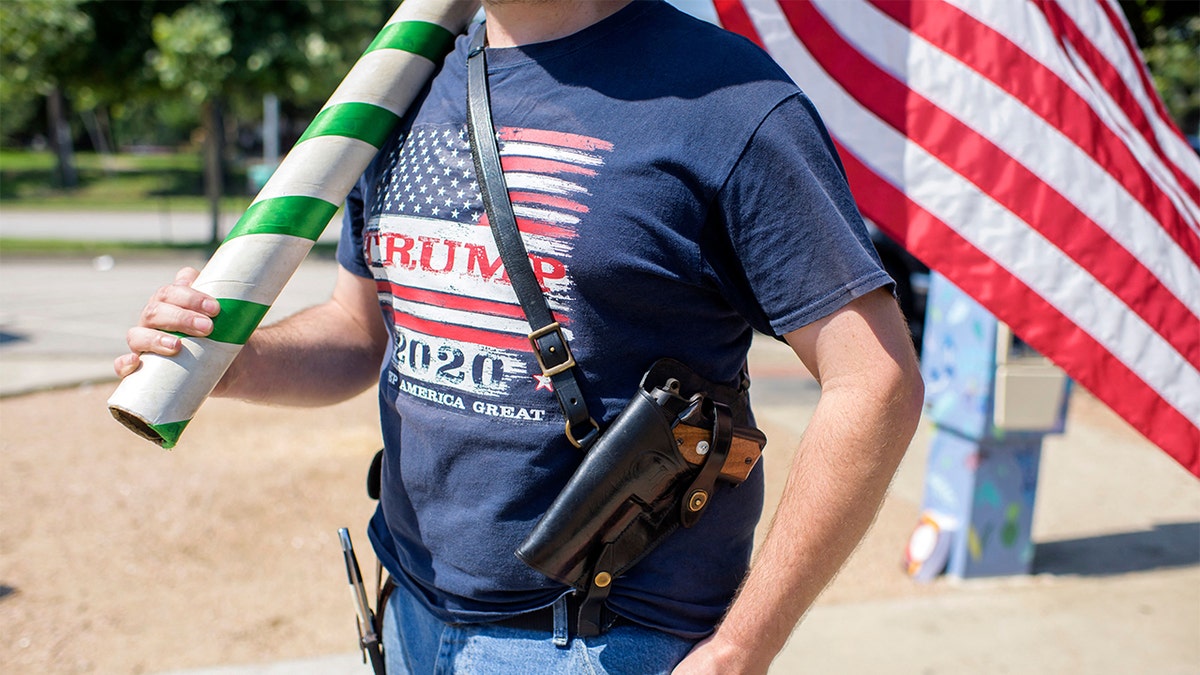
<point x="675" y="192"/>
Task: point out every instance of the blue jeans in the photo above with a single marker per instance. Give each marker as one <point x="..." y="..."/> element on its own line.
<point x="418" y="643"/>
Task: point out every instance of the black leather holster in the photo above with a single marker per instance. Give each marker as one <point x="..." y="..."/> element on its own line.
<point x="645" y="476"/>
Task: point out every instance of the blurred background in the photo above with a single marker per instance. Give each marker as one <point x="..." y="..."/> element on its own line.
<point x="159" y="104"/>
<point x="133" y="134"/>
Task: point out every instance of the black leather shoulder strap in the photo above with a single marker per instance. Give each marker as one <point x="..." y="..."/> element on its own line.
<point x="549" y="344"/>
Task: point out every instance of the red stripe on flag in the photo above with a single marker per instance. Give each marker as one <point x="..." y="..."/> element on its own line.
<point x="527" y="226"/>
<point x="556" y="138"/>
<point x="1000" y="176"/>
<point x="1121" y="29"/>
<point x="453" y="301"/>
<point x="517" y="163"/>
<point x="995" y="57"/>
<point x="733" y="16"/>
<point x="1037" y="321"/>
<point x="458" y="333"/>
<point x="1116" y="86"/>
<point x="546" y="200"/>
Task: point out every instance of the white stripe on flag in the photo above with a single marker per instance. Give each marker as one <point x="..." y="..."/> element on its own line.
<point x="517" y="180"/>
<point x="545" y="215"/>
<point x="1027" y="30"/>
<point x="1141" y="193"/>
<point x="540" y="150"/>
<point x="1011" y="125"/>
<point x="1099" y="32"/>
<point x="1011" y="242"/>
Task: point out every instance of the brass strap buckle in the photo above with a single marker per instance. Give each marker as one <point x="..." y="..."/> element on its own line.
<point x="588" y="437"/>
<point x="567" y="364"/>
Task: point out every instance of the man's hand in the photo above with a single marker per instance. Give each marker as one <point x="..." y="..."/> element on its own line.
<point x="324" y="354"/>
<point x="710" y="657"/>
<point x="176" y="307"/>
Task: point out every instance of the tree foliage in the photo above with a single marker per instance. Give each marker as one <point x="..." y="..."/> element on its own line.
<point x="125" y="56"/>
<point x="192" y="53"/>
<point x="240" y="50"/>
<point x="37" y="53"/>
<point x="154" y="59"/>
<point x="1174" y="60"/>
<point x="1168" y="33"/>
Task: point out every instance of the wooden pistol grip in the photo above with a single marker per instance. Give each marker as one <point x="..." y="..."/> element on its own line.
<point x="743" y="452"/>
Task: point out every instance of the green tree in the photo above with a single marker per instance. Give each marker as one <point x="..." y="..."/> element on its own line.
<point x="192" y="56"/>
<point x="1168" y="33"/>
<point x="39" y="42"/>
<point x="120" y="60"/>
<point x="1174" y="61"/>
<point x="114" y="76"/>
<point x="223" y="56"/>
<point x="240" y="50"/>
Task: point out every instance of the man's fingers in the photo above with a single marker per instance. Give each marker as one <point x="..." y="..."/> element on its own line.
<point x="144" y="340"/>
<point x="126" y="364"/>
<point x="180" y="308"/>
<point x="175" y="308"/>
<point x="186" y="276"/>
<point x="168" y="317"/>
<point x="185" y="297"/>
<point x="147" y="340"/>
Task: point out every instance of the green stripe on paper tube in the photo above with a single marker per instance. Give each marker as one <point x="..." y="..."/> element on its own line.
<point x="417" y="37"/>
<point x="236" y="321"/>
<point x="363" y="121"/>
<point x="296" y="215"/>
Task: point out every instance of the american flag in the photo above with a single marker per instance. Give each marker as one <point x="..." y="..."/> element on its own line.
<point x="445" y="284"/>
<point x="1020" y="149"/>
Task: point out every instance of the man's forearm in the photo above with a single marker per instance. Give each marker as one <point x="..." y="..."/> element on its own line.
<point x="870" y="404"/>
<point x="317" y="357"/>
<point x="837" y="481"/>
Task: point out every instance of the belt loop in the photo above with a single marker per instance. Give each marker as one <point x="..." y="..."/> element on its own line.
<point x="561" y="634"/>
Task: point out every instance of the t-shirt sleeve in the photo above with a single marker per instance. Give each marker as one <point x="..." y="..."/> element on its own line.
<point x="350" y="243"/>
<point x="800" y="249"/>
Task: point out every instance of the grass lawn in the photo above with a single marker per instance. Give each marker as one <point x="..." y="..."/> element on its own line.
<point x="124" y="181"/>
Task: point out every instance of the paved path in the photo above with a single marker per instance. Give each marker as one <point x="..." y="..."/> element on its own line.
<point x="1117" y="588"/>
<point x="161" y="226"/>
<point x="63" y="319"/>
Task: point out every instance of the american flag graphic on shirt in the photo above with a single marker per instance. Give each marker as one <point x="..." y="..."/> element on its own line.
<point x="459" y="328"/>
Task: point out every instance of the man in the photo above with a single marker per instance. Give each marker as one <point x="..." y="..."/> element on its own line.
<point x="675" y="192"/>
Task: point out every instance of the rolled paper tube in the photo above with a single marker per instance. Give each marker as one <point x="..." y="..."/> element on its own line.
<point x="269" y="241"/>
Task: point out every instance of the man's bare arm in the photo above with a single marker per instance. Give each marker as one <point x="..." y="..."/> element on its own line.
<point x="322" y="355"/>
<point x="870" y="404"/>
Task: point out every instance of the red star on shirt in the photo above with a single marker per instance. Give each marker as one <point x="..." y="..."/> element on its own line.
<point x="543" y="382"/>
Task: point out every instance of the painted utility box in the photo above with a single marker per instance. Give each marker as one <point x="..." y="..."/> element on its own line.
<point x="992" y="400"/>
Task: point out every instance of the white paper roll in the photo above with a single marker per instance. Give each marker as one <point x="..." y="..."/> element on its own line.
<point x="268" y="243"/>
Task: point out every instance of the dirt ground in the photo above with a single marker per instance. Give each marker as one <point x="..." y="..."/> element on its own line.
<point x="119" y="557"/>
